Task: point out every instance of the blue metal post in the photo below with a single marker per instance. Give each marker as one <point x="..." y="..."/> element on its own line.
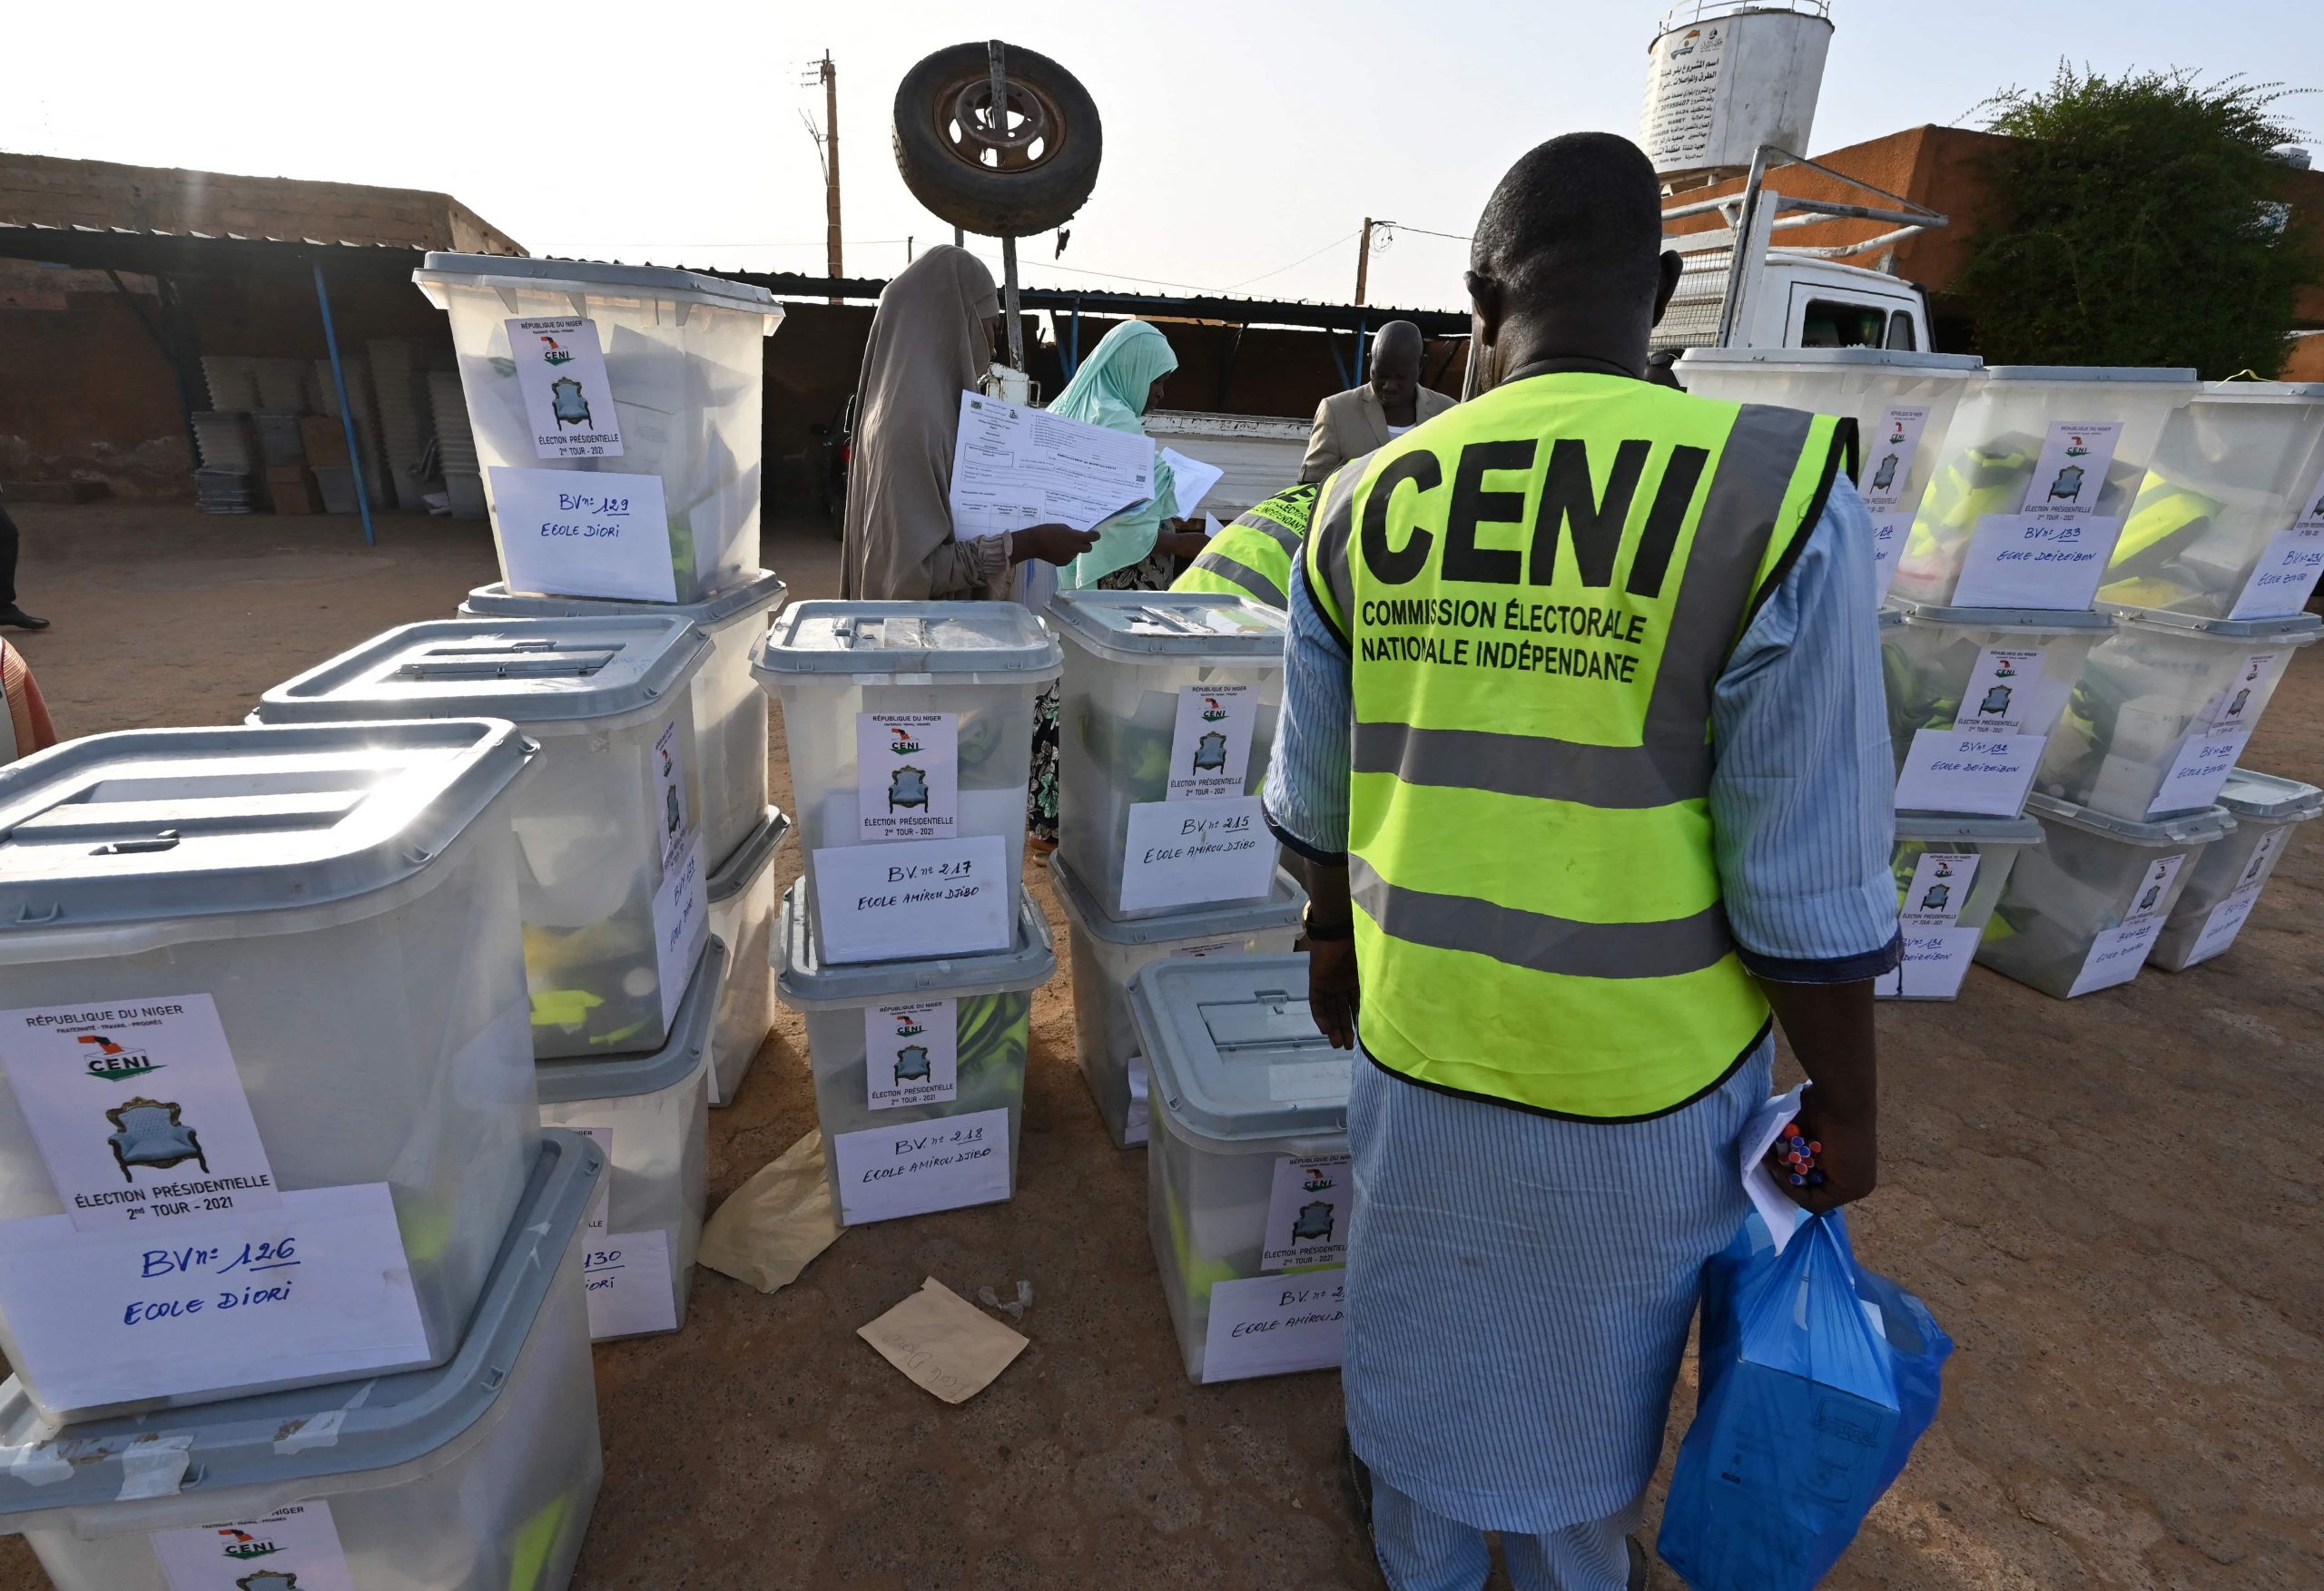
<point x="346" y="409"/>
<point x="1073" y="357"/>
<point x="1362" y="327"/>
<point x="1332" y="345"/>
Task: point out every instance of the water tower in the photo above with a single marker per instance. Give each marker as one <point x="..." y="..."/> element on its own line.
<point x="1726" y="76"/>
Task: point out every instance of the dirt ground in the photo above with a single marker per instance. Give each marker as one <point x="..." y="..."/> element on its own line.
<point x="2112" y="1204"/>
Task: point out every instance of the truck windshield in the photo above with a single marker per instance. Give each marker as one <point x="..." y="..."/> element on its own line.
<point x="1835" y="323"/>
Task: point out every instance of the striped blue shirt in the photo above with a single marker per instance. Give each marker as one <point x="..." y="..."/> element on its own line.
<point x="1801" y="794"/>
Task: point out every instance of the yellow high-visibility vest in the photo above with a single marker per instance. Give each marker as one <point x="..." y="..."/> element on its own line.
<point x="1539" y="590"/>
<point x="1253" y="556"/>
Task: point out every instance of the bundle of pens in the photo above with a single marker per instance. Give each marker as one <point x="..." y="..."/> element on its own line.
<point x="1793" y="1155"/>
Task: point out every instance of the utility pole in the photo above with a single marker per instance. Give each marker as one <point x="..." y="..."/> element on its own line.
<point x="1363" y="259"/>
<point x="831" y="168"/>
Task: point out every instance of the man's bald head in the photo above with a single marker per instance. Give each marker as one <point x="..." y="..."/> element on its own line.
<point x="1572" y="235"/>
<point x="1397" y="350"/>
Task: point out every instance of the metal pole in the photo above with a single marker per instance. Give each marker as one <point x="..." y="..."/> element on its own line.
<point x="1362" y="327"/>
<point x="831" y="168"/>
<point x="1073" y="361"/>
<point x="1008" y="304"/>
<point x="346" y="409"/>
<point x="1363" y="260"/>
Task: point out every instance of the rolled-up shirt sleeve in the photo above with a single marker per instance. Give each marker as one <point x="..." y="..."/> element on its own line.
<point x="1802" y="791"/>
<point x="1306" y="791"/>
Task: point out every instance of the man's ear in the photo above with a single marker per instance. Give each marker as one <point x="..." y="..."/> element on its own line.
<point x="1484" y="303"/>
<point x="1672" y="265"/>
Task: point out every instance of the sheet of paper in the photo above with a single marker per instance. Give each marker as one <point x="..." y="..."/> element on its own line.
<point x="561" y="371"/>
<point x="2284" y="578"/>
<point x="2008" y="693"/>
<point x="2116" y="956"/>
<point x="1936" y="960"/>
<point x="1013" y="467"/>
<point x="1210" y="744"/>
<point x="668" y="760"/>
<point x="1308" y="1212"/>
<point x="1889" y="455"/>
<point x="572" y="534"/>
<point x="1210" y="525"/>
<point x="138" y="1110"/>
<point x="1139" y="1118"/>
<point x="680" y="925"/>
<point x="293" y="1548"/>
<point x="2153" y="898"/>
<point x="1775" y="1207"/>
<point x="912" y="1053"/>
<point x="316" y="1287"/>
<point x="916" y="1167"/>
<point x="2049" y="559"/>
<point x="1982" y="775"/>
<point x="2072" y="470"/>
<point x="908" y="775"/>
<point x="1940" y="887"/>
<point x="1274" y="1325"/>
<point x="2198" y="773"/>
<point x="627" y="1277"/>
<point x="1191" y="480"/>
<point x="1888" y="532"/>
<point x="912" y="897"/>
<point x="2223" y="925"/>
<point x="944" y="1342"/>
<point x="771" y="1227"/>
<point x="1195" y="853"/>
<point x="599" y="1218"/>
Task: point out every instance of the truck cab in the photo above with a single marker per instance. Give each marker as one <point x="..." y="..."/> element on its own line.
<point x="1797" y="300"/>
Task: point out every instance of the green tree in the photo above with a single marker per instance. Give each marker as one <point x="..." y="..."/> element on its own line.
<point x="2135" y="224"/>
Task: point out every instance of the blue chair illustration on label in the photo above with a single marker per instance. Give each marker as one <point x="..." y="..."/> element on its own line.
<point x="149" y="1132"/>
<point x="907" y="787"/>
<point x="567" y="403"/>
<point x="911" y="1065"/>
<point x="1996" y="701"/>
<point x="2147" y="900"/>
<point x="2068" y="485"/>
<point x="1210" y="753"/>
<point x="1938" y="894"/>
<point x="267" y="1580"/>
<point x="2241" y="697"/>
<point x="1885" y="476"/>
<point x="1314" y="1223"/>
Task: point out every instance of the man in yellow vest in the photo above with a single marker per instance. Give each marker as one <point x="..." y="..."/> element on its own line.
<point x="1253" y="556"/>
<point x="1584" y="743"/>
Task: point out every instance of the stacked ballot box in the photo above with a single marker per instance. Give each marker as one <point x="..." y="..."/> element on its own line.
<point x="279" y="1220"/>
<point x="909" y="942"/>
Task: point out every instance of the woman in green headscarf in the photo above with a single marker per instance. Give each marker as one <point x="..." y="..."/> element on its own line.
<point x="1120" y="380"/>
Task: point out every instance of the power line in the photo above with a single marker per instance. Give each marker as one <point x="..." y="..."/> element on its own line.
<point x="1424" y="231"/>
<point x="1302" y="260"/>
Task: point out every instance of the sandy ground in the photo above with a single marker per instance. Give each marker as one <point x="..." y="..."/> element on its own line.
<point x="2112" y="1205"/>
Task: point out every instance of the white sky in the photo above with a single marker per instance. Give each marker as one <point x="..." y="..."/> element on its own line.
<point x="1246" y="140"/>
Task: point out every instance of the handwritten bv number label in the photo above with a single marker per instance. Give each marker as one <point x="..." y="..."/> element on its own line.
<point x="915" y="1167"/>
<point x="574" y="533"/>
<point x="1195" y="852"/>
<point x="317" y="1288"/>
<point x="1272" y="1325"/>
<point x="912" y="897"/>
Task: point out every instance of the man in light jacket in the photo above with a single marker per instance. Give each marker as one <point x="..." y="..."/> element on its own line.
<point x="1349" y="425"/>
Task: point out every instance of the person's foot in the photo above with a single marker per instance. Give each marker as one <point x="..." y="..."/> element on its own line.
<point x="13" y="614"/>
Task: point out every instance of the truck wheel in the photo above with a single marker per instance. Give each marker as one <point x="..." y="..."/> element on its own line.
<point x="1029" y="178"/>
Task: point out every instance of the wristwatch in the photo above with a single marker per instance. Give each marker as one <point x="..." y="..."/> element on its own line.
<point x="1338" y="933"/>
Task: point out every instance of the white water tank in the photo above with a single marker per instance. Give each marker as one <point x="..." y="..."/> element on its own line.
<point x="1724" y="78"/>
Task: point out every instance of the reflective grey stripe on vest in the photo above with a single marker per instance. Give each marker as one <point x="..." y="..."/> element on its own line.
<point x="1243" y="575"/>
<point x="1536" y="941"/>
<point x="1287" y="540"/>
<point x="1673" y="761"/>
<point x="1334" y="529"/>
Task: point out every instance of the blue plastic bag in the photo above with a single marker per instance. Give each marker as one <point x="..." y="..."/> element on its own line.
<point x="1808" y="1413"/>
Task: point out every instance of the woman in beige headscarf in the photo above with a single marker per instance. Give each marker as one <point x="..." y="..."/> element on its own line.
<point x="931" y="340"/>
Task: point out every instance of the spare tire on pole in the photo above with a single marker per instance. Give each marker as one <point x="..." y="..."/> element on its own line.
<point x="1028" y="176"/>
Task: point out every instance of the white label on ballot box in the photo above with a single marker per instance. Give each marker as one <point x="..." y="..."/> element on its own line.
<point x="2152" y="900"/>
<point x="2008" y="694"/>
<point x="576" y="533"/>
<point x="912" y="897"/>
<point x="2116" y="956"/>
<point x="916" y="1167"/>
<point x="1946" y="771"/>
<point x="138" y="1110"/>
<point x="1889" y="455"/>
<point x="561" y="370"/>
<point x="2284" y="578"/>
<point x="908" y="775"/>
<point x="1192" y="853"/>
<point x="1308" y="1212"/>
<point x="2224" y="923"/>
<point x="1273" y="1325"/>
<point x="1888" y="532"/>
<point x="669" y="764"/>
<point x="2040" y="560"/>
<point x="1940" y="887"/>
<point x="294" y="1548"/>
<point x="911" y="1054"/>
<point x="1210" y="745"/>
<point x="314" y="1289"/>
<point x="2199" y="769"/>
<point x="626" y="1275"/>
<point x="1937" y="959"/>
<point x="680" y="927"/>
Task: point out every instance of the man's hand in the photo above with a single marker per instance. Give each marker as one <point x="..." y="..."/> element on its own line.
<point x="1849" y="1159"/>
<point x="1051" y="544"/>
<point x="1332" y="996"/>
<point x="1181" y="543"/>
